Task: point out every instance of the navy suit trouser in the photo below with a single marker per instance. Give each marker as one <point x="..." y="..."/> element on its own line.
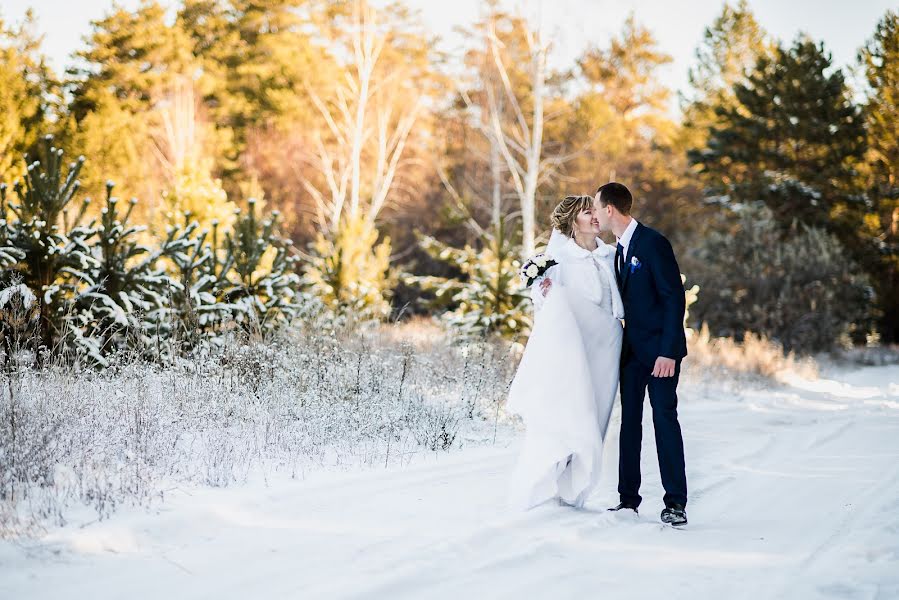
<point x="636" y="377"/>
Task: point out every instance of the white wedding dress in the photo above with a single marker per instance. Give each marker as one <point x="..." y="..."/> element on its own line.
<point x="567" y="380"/>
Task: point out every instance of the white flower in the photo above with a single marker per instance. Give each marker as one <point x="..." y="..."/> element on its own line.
<point x="532" y="271"/>
<point x="635" y="261"/>
<point x="540" y="260"/>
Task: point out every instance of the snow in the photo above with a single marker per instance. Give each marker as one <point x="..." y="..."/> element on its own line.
<point x="28" y="298"/>
<point x="794" y="493"/>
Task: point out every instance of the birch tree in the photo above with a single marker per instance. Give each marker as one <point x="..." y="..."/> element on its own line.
<point x="519" y="143"/>
<point x="514" y="101"/>
<point x="181" y="140"/>
<point x="368" y="119"/>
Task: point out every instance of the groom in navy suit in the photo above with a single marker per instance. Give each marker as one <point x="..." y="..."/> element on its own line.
<point x="654" y="345"/>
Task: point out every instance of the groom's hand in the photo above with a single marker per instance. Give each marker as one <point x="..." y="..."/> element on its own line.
<point x="664" y="367"/>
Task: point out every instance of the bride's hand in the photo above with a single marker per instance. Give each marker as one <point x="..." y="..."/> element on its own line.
<point x="545" y="285"/>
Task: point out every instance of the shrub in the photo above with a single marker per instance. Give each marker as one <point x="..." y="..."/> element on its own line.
<point x="800" y="288"/>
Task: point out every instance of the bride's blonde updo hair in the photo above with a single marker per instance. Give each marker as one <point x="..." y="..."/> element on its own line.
<point x="565" y="213"/>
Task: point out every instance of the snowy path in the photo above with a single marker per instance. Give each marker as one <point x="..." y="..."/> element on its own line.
<point x="794" y="493"/>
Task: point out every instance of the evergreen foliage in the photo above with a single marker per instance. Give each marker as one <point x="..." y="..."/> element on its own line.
<point x="802" y="290"/>
<point x="793" y="140"/>
<point x="880" y="59"/>
<point x="350" y="272"/>
<point x="102" y="289"/>
<point x="488" y="298"/>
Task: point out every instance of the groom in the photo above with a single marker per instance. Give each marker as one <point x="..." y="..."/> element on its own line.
<point x="654" y="344"/>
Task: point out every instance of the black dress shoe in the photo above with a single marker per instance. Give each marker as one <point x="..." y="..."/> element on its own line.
<point x="675" y="515"/>
<point x="625" y="505"/>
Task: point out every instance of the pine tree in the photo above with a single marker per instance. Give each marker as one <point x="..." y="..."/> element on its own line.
<point x="802" y="291"/>
<point x="350" y="272"/>
<point x="126" y="286"/>
<point x="625" y="71"/>
<point x="731" y="45"/>
<point x="793" y="141"/>
<point x="132" y="59"/>
<point x="489" y="298"/>
<point x="623" y="114"/>
<point x="260" y="56"/>
<point x="29" y="94"/>
<point x="51" y="243"/>
<point x="263" y="284"/>
<point x="102" y="290"/>
<point x="880" y="58"/>
<point x="240" y="278"/>
<point x="198" y="276"/>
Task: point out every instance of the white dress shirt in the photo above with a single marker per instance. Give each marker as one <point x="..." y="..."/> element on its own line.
<point x="625" y="239"/>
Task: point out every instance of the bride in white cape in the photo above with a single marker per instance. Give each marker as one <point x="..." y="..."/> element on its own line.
<point x="567" y="380"/>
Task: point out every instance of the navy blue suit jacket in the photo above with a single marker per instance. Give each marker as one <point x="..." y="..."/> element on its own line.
<point x="654" y="299"/>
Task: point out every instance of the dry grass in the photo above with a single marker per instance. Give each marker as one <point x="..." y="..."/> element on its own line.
<point x="754" y="356"/>
<point x="422" y="333"/>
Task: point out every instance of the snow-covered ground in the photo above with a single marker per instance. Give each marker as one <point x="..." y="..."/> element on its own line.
<point x="794" y="493"/>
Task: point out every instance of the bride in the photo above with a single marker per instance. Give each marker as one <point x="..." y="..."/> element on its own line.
<point x="567" y="380"/>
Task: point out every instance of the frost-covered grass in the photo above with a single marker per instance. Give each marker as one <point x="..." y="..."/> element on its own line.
<point x="776" y="467"/>
<point x="793" y="494"/>
<point x="306" y="400"/>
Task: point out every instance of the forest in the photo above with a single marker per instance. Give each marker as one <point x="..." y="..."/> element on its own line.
<point x="228" y="167"/>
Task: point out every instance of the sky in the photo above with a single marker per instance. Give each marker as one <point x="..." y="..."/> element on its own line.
<point x="572" y="25"/>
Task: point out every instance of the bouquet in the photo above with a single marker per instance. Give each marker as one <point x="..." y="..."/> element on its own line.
<point x="535" y="267"/>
